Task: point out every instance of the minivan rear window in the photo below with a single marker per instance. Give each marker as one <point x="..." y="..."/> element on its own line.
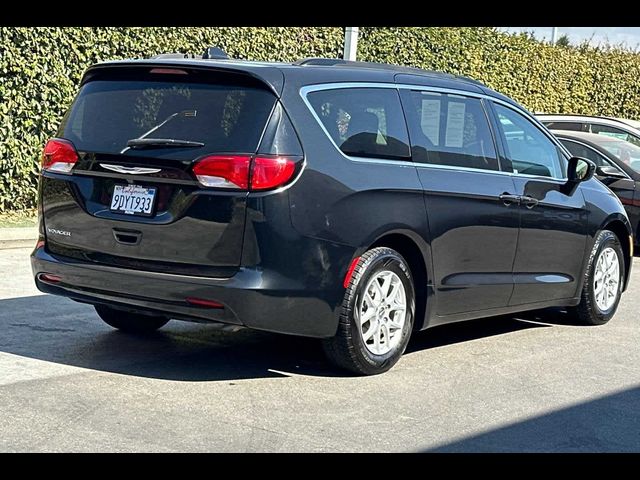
<point x="224" y="117"/>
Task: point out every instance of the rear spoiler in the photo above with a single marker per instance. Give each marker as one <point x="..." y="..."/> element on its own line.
<point x="268" y="75"/>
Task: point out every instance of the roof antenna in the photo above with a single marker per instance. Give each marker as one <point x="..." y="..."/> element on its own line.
<point x="215" y="52"/>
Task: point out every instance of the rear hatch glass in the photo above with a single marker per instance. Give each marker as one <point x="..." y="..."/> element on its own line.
<point x="146" y="127"/>
<point x="226" y="116"/>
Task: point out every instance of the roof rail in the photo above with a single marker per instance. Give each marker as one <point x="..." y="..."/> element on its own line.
<point x="338" y="62"/>
<point x="470" y="80"/>
<point x="320" y="61"/>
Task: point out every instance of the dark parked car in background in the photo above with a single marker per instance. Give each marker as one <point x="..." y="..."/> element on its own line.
<point x="347" y="201"/>
<point x="618" y="166"/>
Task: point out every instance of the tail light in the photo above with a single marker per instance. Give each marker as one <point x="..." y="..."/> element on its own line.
<point x="223" y="171"/>
<point x="59" y="155"/>
<point x="270" y="172"/>
<point x="243" y="172"/>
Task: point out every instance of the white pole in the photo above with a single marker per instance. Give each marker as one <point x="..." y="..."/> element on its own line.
<point x="350" y="43"/>
<point x="554" y="35"/>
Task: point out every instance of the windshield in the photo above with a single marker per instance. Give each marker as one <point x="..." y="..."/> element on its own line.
<point x="625" y="151"/>
<point x="200" y="118"/>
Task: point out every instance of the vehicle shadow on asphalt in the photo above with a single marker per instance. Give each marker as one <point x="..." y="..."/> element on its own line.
<point x="59" y="330"/>
<point x="487" y="327"/>
<point x="606" y="424"/>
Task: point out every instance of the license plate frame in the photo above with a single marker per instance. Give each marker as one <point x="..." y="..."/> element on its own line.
<point x="123" y="189"/>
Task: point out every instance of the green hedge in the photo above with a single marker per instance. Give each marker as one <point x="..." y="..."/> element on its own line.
<point x="40" y="69"/>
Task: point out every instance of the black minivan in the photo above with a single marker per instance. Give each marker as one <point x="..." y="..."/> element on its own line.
<point x="353" y="202"/>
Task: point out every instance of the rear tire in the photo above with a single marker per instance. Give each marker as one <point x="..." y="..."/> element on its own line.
<point x="603" y="281"/>
<point x="376" y="318"/>
<point x="130" y="322"/>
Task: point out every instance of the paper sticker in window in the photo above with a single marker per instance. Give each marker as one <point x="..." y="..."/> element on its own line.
<point x="455" y="125"/>
<point x="430" y="121"/>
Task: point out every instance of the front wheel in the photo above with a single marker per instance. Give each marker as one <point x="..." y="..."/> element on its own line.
<point x="130" y="322"/>
<point x="603" y="281"/>
<point x="376" y="318"/>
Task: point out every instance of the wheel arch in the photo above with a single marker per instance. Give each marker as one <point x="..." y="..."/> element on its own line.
<point x="621" y="227"/>
<point x="417" y="254"/>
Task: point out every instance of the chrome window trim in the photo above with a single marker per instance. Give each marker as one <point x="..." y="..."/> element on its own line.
<point x="460" y="169"/>
<point x="605" y="158"/>
<point x="304" y="91"/>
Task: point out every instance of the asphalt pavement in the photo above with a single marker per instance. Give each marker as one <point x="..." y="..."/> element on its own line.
<point x="533" y="382"/>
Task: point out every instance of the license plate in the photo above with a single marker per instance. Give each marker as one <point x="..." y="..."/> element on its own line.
<point x="133" y="200"/>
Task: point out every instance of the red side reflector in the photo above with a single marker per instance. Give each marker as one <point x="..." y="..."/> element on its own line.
<point x="352" y="267"/>
<point x="50" y="278"/>
<point x="40" y="244"/>
<point x="271" y="172"/>
<point x="59" y="155"/>
<point x="170" y="71"/>
<point x="201" y="302"/>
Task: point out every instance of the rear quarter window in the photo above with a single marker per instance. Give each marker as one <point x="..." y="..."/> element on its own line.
<point x="363" y="122"/>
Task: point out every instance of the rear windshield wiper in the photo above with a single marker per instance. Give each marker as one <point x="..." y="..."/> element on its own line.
<point x="143" y="141"/>
<point x="161" y="142"/>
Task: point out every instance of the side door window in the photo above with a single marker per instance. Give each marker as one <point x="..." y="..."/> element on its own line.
<point x="450" y="130"/>
<point x="363" y="122"/>
<point x="615" y="132"/>
<point x="531" y="152"/>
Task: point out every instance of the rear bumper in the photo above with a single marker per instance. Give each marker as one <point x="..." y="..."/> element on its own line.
<point x="253" y="298"/>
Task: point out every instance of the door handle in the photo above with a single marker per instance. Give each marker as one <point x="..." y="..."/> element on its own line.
<point x="529" y="202"/>
<point x="508" y="199"/>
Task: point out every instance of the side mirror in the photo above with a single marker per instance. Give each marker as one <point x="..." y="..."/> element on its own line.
<point x="610" y="172"/>
<point x="580" y="170"/>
